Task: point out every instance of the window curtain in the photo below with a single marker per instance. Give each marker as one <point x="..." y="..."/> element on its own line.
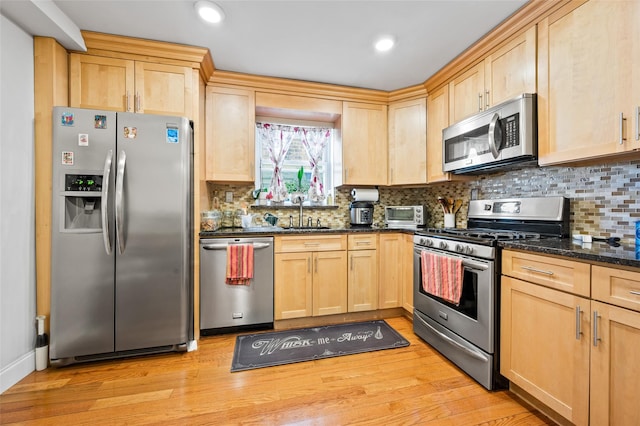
<point x="315" y="140"/>
<point x="277" y="139"/>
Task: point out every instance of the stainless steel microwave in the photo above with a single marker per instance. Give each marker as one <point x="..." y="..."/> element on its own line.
<point x="499" y="137"/>
<point x="404" y="217"/>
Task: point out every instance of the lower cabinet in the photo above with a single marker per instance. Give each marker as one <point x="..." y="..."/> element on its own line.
<point x="407" y="273"/>
<point x="363" y="272"/>
<point x="545" y="346"/>
<point x="310" y="275"/>
<point x="578" y="355"/>
<point x="332" y="274"/>
<point x="393" y="264"/>
<point x="615" y="350"/>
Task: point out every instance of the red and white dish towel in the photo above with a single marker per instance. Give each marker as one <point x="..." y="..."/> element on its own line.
<point x="442" y="276"/>
<point x="239" y="264"/>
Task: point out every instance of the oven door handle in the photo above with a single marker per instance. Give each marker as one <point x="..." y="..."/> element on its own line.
<point x="469" y="264"/>
<point x="470" y="352"/>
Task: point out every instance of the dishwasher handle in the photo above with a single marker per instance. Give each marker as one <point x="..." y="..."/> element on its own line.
<point x="256" y="246"/>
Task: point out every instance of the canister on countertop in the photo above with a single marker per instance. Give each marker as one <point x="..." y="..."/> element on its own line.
<point x="210" y="220"/>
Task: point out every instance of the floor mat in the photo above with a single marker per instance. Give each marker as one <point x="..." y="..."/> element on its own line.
<point x="289" y="346"/>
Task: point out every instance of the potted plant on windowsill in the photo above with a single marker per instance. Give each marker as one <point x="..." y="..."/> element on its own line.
<point x="298" y="195"/>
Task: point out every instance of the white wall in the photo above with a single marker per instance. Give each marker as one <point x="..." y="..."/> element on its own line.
<point x="17" y="223"/>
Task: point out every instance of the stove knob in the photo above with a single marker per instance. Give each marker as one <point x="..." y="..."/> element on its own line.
<point x="469" y="250"/>
<point x="443" y="245"/>
<point x="429" y="243"/>
<point x="459" y="248"/>
<point x="423" y="241"/>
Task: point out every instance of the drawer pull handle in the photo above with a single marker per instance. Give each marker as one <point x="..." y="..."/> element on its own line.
<point x="578" y="327"/>
<point x="595" y="328"/>
<point x="311" y="244"/>
<point x="636" y="293"/>
<point x="366" y="243"/>
<point x="540" y="271"/>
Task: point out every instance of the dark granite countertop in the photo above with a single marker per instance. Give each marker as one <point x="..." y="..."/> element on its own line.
<point x="595" y="252"/>
<point x="275" y="230"/>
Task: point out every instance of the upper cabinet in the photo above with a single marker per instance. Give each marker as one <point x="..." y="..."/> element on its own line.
<point x="408" y="142"/>
<point x="505" y="73"/>
<point x="364" y="143"/>
<point x="230" y="145"/>
<point x="589" y="81"/>
<point x="126" y="85"/>
<point x="437" y="120"/>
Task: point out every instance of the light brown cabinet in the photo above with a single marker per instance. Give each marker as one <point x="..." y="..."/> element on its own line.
<point x="310" y="275"/>
<point x="437" y="121"/>
<point x="587" y="347"/>
<point x="541" y="350"/>
<point x="506" y="72"/>
<point x="407" y="273"/>
<point x="589" y="82"/>
<point x="230" y="139"/>
<point x="615" y="350"/>
<point x="364" y="143"/>
<point x="362" y="279"/>
<point x="393" y="265"/>
<point x="134" y="86"/>
<point x="408" y="142"/>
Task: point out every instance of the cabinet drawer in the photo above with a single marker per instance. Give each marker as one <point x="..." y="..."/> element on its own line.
<point x="566" y="275"/>
<point x="300" y="243"/>
<point x="616" y="286"/>
<point x="363" y="242"/>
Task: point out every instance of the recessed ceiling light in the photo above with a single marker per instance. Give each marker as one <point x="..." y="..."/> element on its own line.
<point x="384" y="44"/>
<point x="209" y="12"/>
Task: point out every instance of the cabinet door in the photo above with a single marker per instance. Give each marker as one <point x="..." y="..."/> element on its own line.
<point x="408" y="142"/>
<point x="230" y="146"/>
<point x="293" y="285"/>
<point x="393" y="262"/>
<point x="437" y="121"/>
<point x="588" y="72"/>
<point x="329" y="282"/>
<point x="615" y="366"/>
<point x="466" y="93"/>
<point x="363" y="280"/>
<point x="364" y="144"/>
<point x="101" y="83"/>
<point x="511" y="69"/>
<point x="539" y="350"/>
<point x="164" y="89"/>
<point x="407" y="273"/>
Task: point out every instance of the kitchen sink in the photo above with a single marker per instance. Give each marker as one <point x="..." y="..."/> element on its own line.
<point x="305" y="228"/>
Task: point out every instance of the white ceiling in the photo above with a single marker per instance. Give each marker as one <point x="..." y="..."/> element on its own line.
<point x="327" y="41"/>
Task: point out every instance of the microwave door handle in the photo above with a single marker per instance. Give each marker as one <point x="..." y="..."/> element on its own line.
<point x="495" y="135"/>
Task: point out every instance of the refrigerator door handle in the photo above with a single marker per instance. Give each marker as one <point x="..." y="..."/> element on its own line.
<point x="122" y="159"/>
<point x="104" y="200"/>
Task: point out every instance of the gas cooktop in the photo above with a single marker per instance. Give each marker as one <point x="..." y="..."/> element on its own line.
<point x="480" y="233"/>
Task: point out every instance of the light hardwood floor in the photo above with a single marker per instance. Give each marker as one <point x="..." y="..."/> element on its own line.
<point x="414" y="385"/>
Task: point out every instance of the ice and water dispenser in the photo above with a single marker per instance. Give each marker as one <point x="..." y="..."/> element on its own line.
<point x="82" y="207"/>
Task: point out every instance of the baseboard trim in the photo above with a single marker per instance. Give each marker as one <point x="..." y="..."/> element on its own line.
<point x="17" y="370"/>
<point x="338" y="318"/>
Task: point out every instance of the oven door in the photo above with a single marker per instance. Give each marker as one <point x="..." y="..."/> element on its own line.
<point x="474" y="318"/>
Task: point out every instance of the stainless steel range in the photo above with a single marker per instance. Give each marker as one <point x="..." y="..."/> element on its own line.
<point x="465" y="327"/>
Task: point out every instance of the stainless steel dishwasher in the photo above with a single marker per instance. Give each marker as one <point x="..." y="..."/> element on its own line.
<point x="227" y="308"/>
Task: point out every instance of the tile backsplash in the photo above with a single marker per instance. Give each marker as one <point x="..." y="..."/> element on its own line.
<point x="604" y="199"/>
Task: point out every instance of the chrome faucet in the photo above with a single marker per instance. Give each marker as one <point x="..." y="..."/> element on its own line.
<point x="300" y="199"/>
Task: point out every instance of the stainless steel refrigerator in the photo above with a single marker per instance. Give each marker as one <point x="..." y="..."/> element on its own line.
<point x="122" y="235"/>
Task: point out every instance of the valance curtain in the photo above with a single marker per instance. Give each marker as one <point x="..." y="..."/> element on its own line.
<point x="277" y="138"/>
<point x="315" y="140"/>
